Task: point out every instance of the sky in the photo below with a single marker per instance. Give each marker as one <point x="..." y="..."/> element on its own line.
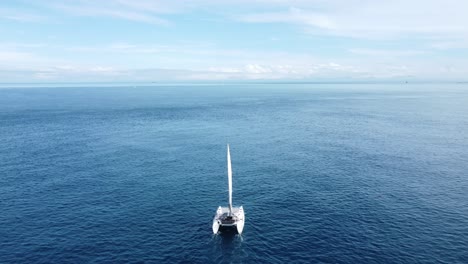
<point x="216" y="40"/>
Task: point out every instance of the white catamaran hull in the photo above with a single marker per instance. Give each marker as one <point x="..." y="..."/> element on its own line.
<point x="229" y="217"/>
<point x="223" y="220"/>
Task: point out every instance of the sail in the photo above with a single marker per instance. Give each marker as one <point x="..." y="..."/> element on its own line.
<point x="229" y="178"/>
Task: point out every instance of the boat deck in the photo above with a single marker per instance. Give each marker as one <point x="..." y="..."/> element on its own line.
<point x="227" y="220"/>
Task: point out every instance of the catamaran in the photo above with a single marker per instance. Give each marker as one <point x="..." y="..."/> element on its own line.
<point x="229" y="217"/>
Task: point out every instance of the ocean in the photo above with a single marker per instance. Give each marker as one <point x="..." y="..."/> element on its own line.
<point x="327" y="173"/>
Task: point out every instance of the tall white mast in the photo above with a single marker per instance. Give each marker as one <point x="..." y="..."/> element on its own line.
<point x="229" y="179"/>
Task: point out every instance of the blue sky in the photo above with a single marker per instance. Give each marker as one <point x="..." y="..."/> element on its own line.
<point x="143" y="40"/>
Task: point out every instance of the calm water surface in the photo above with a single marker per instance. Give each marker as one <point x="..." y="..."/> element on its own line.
<point x="364" y="173"/>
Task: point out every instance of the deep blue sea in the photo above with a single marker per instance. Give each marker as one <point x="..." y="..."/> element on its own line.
<point x="331" y="173"/>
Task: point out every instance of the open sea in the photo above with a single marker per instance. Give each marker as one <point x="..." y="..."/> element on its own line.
<point x="330" y="173"/>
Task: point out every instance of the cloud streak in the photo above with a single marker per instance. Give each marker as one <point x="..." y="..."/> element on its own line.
<point x="294" y="15"/>
<point x="387" y="53"/>
<point x="241" y="39"/>
<point x="374" y="19"/>
<point x="112" y="9"/>
<point x="20" y="15"/>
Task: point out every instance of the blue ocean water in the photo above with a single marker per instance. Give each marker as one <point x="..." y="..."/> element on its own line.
<point x="332" y="173"/>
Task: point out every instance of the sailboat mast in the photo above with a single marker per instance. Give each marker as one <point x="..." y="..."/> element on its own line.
<point x="229" y="179"/>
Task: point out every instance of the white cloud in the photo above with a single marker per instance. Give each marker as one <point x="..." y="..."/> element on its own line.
<point x="367" y="31"/>
<point x="349" y="18"/>
<point x="278" y="71"/>
<point x="294" y="15"/>
<point x="450" y="44"/>
<point x="374" y="19"/>
<point x="387" y="53"/>
<point x="219" y="64"/>
<point x="20" y="15"/>
<point x="10" y="56"/>
<point x="114" y="9"/>
<point x="257" y="69"/>
<point x="155" y="6"/>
